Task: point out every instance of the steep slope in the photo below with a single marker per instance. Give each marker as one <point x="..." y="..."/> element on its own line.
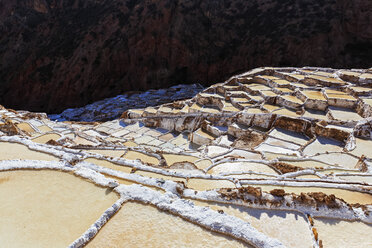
<point x="59" y="54"/>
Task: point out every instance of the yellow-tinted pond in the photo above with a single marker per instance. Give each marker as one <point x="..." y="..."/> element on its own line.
<point x="171" y="159"/>
<point x="133" y="155"/>
<point x="207" y="184"/>
<point x="111" y="153"/>
<point x="26" y="127"/>
<point x="48" y="208"/>
<point x="110" y="165"/>
<point x="17" y="151"/>
<point x="45" y="129"/>
<point x="139" y="225"/>
<point x="241" y="167"/>
<point x="46" y="137"/>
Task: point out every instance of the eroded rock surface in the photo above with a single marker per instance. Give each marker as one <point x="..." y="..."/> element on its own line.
<point x="71" y="53"/>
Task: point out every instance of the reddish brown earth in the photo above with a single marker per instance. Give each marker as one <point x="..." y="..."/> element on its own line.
<point x="67" y="53"/>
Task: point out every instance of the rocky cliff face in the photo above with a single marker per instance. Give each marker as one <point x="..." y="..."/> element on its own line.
<point x="67" y="53"/>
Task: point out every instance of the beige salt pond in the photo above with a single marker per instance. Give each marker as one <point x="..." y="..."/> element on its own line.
<point x="133" y="155"/>
<point x="306" y="164"/>
<point x="82" y="141"/>
<point x="340" y="159"/>
<point x="321" y="144"/>
<point x="291" y="136"/>
<point x="241" y="167"/>
<point x="344" y="114"/>
<point x="288" y="227"/>
<point x="46" y="137"/>
<point x="292" y="99"/>
<point x="314" y="95"/>
<point x="315" y="114"/>
<point x="10" y="151"/>
<point x="111" y="153"/>
<point x="238" y="153"/>
<point x="130" y="144"/>
<point x="347" y="195"/>
<point x="48" y="208"/>
<point x="209" y="184"/>
<point x="337" y="233"/>
<point x="171" y="159"/>
<point x="44" y="128"/>
<point x="270" y="107"/>
<point x="273" y="155"/>
<point x="286" y="112"/>
<point x="363" y="147"/>
<point x="107" y="164"/>
<point x="159" y="176"/>
<point x="24" y="126"/>
<point x="139" y="225"/>
<point x="281" y="143"/>
<point x="363" y="179"/>
<point x="203" y="164"/>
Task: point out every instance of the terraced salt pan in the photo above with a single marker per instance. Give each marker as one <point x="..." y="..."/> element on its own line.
<point x="230" y="108"/>
<point x="275" y="149"/>
<point x="344" y="114"/>
<point x="363" y="147"/>
<point x="139" y="225"/>
<point x="203" y="164"/>
<point x="270" y="107"/>
<point x="171" y="159"/>
<point x="291" y="136"/>
<point x="315" y="114"/>
<point x="46" y="137"/>
<point x="281" y="143"/>
<point x="307" y="164"/>
<point x="133" y="155"/>
<point x="216" y="150"/>
<point x="321" y="144"/>
<point x="26" y="127"/>
<point x="292" y="99"/>
<point x="237" y="153"/>
<point x="159" y="176"/>
<point x="44" y="128"/>
<point x="342" y="159"/>
<point x="82" y="141"/>
<point x="208" y="184"/>
<point x="111" y="153"/>
<point x="48" y="208"/>
<point x="347" y="195"/>
<point x="110" y="165"/>
<point x="144" y="139"/>
<point x="180" y="140"/>
<point x="363" y="179"/>
<point x="254" y="111"/>
<point x="273" y="155"/>
<point x="314" y="95"/>
<point x="130" y="144"/>
<point x="10" y="151"/>
<point x="288" y="227"/>
<point x="241" y="167"/>
<point x="337" y="233"/>
<point x="286" y="112"/>
<point x="168" y="136"/>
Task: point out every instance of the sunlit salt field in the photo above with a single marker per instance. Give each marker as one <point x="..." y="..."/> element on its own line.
<point x="274" y="157"/>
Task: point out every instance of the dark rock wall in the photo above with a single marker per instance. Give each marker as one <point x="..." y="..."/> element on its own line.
<point x="56" y="54"/>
